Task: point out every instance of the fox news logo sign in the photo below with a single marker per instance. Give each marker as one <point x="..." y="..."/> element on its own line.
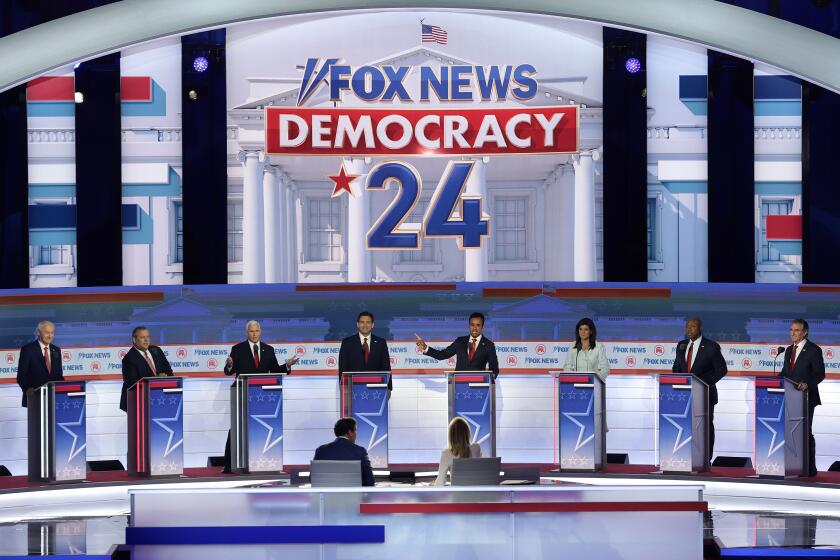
<point x="420" y="131"/>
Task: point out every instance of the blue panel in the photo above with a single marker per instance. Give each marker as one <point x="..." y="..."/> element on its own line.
<point x="682" y="187"/>
<point x="51" y="109"/>
<point x="699" y="107"/>
<point x="52" y="191"/>
<point x="787" y="247"/>
<point x="70" y="435"/>
<point x="52" y="216"/>
<point x="693" y="87"/>
<point x="143" y="234"/>
<point x="302" y="534"/>
<point x="789" y="189"/>
<point x="759" y="553"/>
<point x="53" y="237"/>
<point x="130" y="216"/>
<point x="155" y="108"/>
<point x="777" y="108"/>
<point x="172" y="188"/>
<point x="370" y="408"/>
<point x="778" y="87"/>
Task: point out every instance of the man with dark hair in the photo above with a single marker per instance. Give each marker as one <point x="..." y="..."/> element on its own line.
<point x="364" y="351"/>
<point x="474" y="352"/>
<point x="701" y="356"/>
<point x="143" y="360"/>
<point x="39" y="360"/>
<point x="344" y="448"/>
<point x="804" y="366"/>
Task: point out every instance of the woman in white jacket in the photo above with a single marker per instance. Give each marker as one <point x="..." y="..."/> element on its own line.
<point x="585" y="355"/>
<point x="459" y="447"/>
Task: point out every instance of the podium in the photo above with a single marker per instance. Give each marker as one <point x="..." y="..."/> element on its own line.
<point x="56" y="429"/>
<point x="364" y="396"/>
<point x="683" y="424"/>
<point x="581" y="399"/>
<point x="472" y="396"/>
<point x="156" y="427"/>
<point x="256" y="423"/>
<point x="781" y="428"/>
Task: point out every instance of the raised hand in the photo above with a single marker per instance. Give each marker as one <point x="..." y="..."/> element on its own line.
<point x="421" y="344"/>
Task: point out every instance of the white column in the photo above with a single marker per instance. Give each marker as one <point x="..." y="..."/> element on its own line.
<point x="358" y="222"/>
<point x="270" y="222"/>
<point x="584" y="237"/>
<point x="567" y="197"/>
<point x="283" y="217"/>
<point x="253" y="270"/>
<point x="291" y="234"/>
<point x="475" y="260"/>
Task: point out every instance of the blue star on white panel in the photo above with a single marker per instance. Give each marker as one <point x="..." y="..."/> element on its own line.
<point x="476" y="425"/>
<point x="766" y="421"/>
<point x="580" y="439"/>
<point x="269" y="443"/>
<point x="162" y="423"/>
<point x="670" y="418"/>
<point x="363" y="416"/>
<point x="64" y="426"/>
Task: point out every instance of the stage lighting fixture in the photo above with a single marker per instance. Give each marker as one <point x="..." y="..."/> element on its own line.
<point x="201" y="64"/>
<point x="78" y="97"/>
<point x="633" y="65"/>
<point x="192" y="94"/>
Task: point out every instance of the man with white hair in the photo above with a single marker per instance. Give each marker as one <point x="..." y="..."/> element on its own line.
<point x="40" y="360"/>
<point x="253" y="356"/>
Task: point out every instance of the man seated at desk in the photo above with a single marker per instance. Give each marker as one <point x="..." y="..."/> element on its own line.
<point x="344" y="448"/>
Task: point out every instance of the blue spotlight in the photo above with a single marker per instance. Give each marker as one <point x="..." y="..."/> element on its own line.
<point x="633" y="65"/>
<point x="200" y="64"/>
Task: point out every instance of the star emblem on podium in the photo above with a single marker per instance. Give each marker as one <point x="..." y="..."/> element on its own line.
<point x="365" y="417"/>
<point x="778" y="421"/>
<point x="572" y="416"/>
<point x="162" y="422"/>
<point x="480" y="414"/>
<point x="261" y="419"/>
<point x="671" y="419"/>
<point x="69" y="428"/>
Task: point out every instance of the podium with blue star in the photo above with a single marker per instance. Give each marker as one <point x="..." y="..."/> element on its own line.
<point x="156" y="427"/>
<point x="256" y="423"/>
<point x="582" y="440"/>
<point x="781" y="428"/>
<point x="57" y="432"/>
<point x="683" y="430"/>
<point x="472" y="396"/>
<point x="365" y="397"/>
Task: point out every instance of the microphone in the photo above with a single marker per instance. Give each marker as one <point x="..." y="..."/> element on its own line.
<point x="577" y="355"/>
<point x="779" y="351"/>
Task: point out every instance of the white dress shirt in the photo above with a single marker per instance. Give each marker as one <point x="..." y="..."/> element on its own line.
<point x="446" y="459"/>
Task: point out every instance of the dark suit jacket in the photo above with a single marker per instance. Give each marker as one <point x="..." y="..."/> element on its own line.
<point x="32" y="370"/>
<point x="809" y="368"/>
<point x="351" y="357"/>
<point x="484" y="358"/>
<point x="135" y="368"/>
<point x="709" y="364"/>
<point x="243" y="360"/>
<point x="343" y="449"/>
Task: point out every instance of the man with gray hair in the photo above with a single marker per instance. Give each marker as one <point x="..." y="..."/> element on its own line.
<point x="253" y="356"/>
<point x="39" y="361"/>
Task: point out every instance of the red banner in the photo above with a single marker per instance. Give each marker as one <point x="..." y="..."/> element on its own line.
<point x="386" y="132"/>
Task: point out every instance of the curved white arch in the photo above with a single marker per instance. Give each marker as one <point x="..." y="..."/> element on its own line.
<point x="808" y="54"/>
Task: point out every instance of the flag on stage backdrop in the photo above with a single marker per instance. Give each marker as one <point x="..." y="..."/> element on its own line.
<point x="432" y="34"/>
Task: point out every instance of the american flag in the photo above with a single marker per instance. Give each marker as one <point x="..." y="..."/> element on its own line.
<point x="432" y="34"/>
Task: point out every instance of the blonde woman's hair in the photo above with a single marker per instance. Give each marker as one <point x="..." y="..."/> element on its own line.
<point x="459" y="438"/>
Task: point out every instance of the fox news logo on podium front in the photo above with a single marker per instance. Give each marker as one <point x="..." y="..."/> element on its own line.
<point x="421" y="130"/>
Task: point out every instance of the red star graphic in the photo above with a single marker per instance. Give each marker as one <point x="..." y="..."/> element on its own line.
<point x="342" y="182"/>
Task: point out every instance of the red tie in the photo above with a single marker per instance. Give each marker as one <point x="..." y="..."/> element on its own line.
<point x="150" y="362"/>
<point x="690" y="355"/>
<point x="472" y="349"/>
<point x="793" y="358"/>
<point x="365" y="350"/>
<point x="47" y="359"/>
<point x="256" y="356"/>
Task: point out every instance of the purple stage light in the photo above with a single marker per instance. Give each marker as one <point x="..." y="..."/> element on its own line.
<point x="633" y="65"/>
<point x="200" y="64"/>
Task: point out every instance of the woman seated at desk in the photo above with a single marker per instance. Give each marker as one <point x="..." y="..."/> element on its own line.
<point x="459" y="448"/>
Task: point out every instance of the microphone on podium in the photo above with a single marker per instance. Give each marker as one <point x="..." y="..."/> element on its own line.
<point x="779" y="351"/>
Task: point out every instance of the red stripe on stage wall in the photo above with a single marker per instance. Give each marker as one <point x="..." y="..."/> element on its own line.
<point x="367" y="379"/>
<point x="768" y="382"/>
<point x="639" y="293"/>
<point x="470" y="379"/>
<point x="51" y="88"/>
<point x="85" y="297"/>
<point x="574" y="379"/>
<point x="379" y="287"/>
<point x="262" y="381"/>
<point x="673" y="380"/>
<point x="532" y="507"/>
<point x="67" y="388"/>
<point x="511" y="292"/>
<point x="784" y="228"/>
<point x="819" y="289"/>
<point x="136" y="88"/>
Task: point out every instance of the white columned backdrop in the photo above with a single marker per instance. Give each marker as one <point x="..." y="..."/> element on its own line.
<point x="584" y="217"/>
<point x="358" y="222"/>
<point x="284" y="215"/>
<point x="475" y="260"/>
<point x="291" y="233"/>
<point x="253" y="269"/>
<point x="271" y="223"/>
